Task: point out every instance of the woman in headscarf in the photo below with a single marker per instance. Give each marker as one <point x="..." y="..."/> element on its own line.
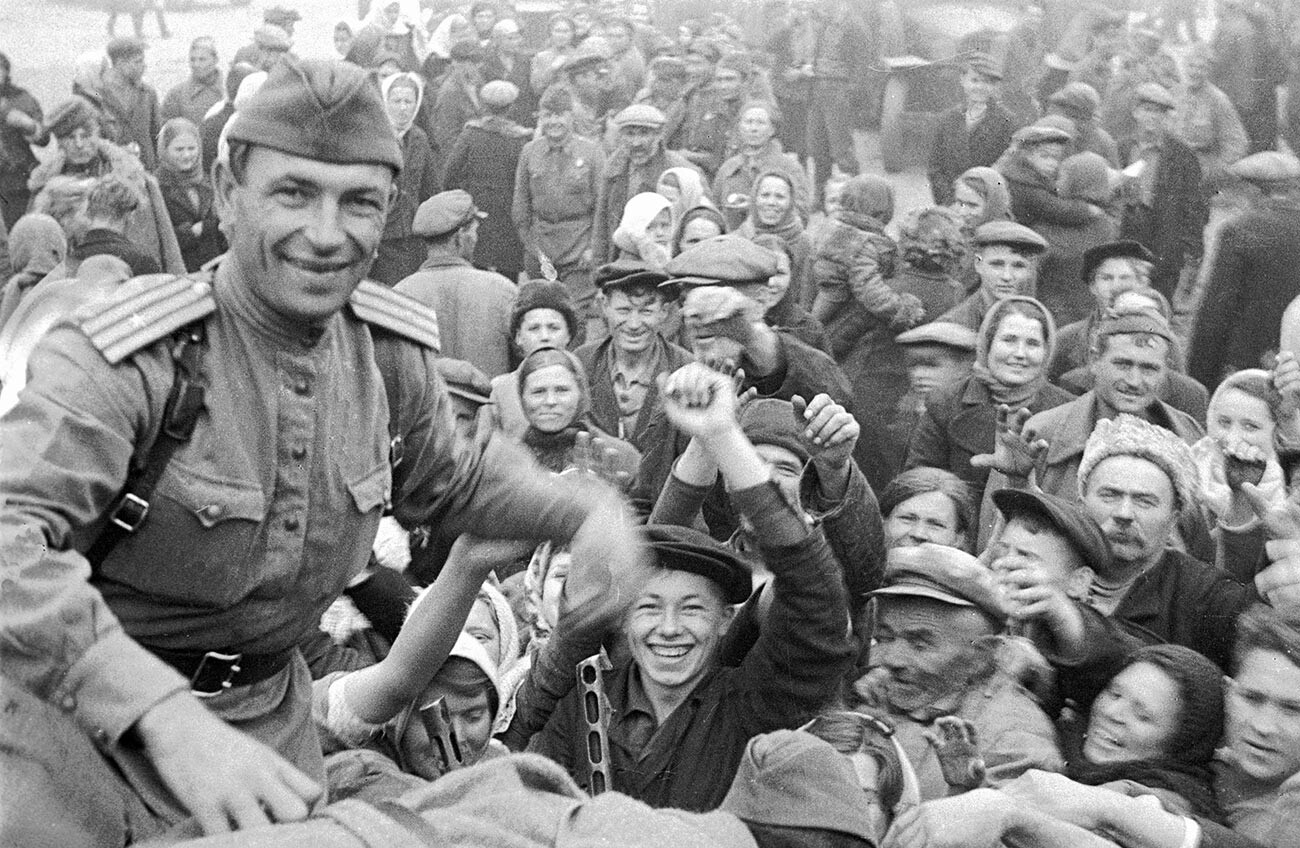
<point x="36" y="247"/>
<point x="547" y="63"/>
<point x="1012" y="350"/>
<point x="772" y="210"/>
<point x="188" y="194"/>
<point x="401" y="252"/>
<point x="685" y="189"/>
<point x="82" y="152"/>
<point x="980" y="195"/>
<point x="760" y="151"/>
<point x="644" y="232"/>
<point x="21" y="127"/>
<point x="556" y="398"/>
<point x="785" y="312"/>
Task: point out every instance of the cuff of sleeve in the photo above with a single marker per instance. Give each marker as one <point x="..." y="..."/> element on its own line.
<point x="113" y="684"/>
<point x="1191" y="833"/>
<point x="776" y="522"/>
<point x="820" y="507"/>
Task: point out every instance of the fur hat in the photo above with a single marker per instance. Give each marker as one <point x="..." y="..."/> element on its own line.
<point x="1128" y="435"/>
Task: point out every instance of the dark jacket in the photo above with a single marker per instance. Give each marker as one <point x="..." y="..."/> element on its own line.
<point x="957" y="149"/>
<point x="16" y="157"/>
<point x="1256" y="273"/>
<point x="1033" y="197"/>
<point x="1172" y="226"/>
<point x="112" y="243"/>
<point x="483" y="162"/>
<point x="960" y="421"/>
<point x="783" y="681"/>
<point x="524" y="110"/>
<point x="615" y="193"/>
<point x="185" y="213"/>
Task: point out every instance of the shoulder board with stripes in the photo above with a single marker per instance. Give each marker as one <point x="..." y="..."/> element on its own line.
<point x="377" y="304"/>
<point x="144" y="310"/>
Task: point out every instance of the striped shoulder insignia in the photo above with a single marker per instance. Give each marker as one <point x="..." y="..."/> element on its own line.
<point x="144" y="310"/>
<point x="402" y="314"/>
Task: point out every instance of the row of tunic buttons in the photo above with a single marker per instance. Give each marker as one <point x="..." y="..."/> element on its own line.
<point x="69" y="704"/>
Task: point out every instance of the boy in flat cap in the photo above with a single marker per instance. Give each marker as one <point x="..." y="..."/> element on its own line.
<point x="681" y="722"/>
<point x="1164" y="205"/>
<point x="632" y="168"/>
<point x="974" y="132"/>
<point x="623" y="370"/>
<point x="193" y="474"/>
<point x="1006" y="262"/>
<point x="473" y="306"/>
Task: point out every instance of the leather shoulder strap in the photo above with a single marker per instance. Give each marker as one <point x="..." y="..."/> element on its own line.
<point x="402" y="314"/>
<point x="144" y="311"/>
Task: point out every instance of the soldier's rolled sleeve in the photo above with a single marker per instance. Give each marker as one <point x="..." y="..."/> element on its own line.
<point x="64" y="454"/>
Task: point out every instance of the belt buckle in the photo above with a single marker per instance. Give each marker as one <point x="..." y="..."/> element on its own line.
<point x="215" y="674"/>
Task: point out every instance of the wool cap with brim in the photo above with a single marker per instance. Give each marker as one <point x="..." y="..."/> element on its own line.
<point x="124" y="47"/>
<point x="727" y="260"/>
<point x="769" y="421"/>
<point x="627" y="273"/>
<point x="1128" y="435"/>
<point x="71" y="115"/>
<point x="1077" y="96"/>
<point x="944" y="574"/>
<point x="640" y="115"/>
<point x="1040" y="134"/>
<point x="1155" y="94"/>
<point x="1125" y="249"/>
<point x="1009" y="233"/>
<point x="1069" y="518"/>
<point x="444" y="212"/>
<point x="941" y="333"/>
<point x="543" y="294"/>
<point x="323" y="110"/>
<point x="1269" y="166"/>
<point x="686" y="549"/>
<point x="791" y="778"/>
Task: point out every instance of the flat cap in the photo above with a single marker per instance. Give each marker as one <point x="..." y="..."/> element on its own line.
<point x="465" y="51"/>
<point x="69" y="115"/>
<point x="586" y="56"/>
<point x="499" y="93"/>
<point x="272" y="37"/>
<point x="1069" y="518"/>
<point x="687" y="549"/>
<point x="727" y="260"/>
<point x="1040" y="133"/>
<point x="640" y="115"/>
<point x="281" y="15"/>
<point x="1270" y="166"/>
<point x="323" y="110"/>
<point x="1009" y="233"/>
<point x="124" y="47"/>
<point x="943" y="574"/>
<point x="1077" y="96"/>
<point x="1155" y="94"/>
<point x="444" y="212"/>
<point x="668" y="67"/>
<point x="939" y="332"/>
<point x="1123" y="249"/>
<point x="625" y="273"/>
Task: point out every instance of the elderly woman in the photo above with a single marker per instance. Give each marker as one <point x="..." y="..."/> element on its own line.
<point x="83" y="153"/>
<point x="760" y="151"/>
<point x="188" y="194"/>
<point x="1012" y="349"/>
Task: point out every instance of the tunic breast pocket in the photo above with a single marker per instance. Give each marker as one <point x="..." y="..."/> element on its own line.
<point x="197" y="545"/>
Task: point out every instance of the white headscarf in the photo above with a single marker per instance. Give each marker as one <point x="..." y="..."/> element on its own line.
<point x="387" y="83"/>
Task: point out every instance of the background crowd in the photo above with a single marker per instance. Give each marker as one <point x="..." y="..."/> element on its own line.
<point x="974" y="520"/>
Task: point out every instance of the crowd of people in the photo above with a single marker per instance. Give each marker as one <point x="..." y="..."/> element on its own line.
<point x="466" y="441"/>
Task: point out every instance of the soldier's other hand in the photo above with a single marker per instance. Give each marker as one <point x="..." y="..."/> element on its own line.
<point x="225" y="778"/>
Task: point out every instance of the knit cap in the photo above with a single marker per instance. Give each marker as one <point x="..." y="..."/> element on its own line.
<point x="1128" y="435"/>
<point x="1085" y="176"/>
<point x="768" y="421"/>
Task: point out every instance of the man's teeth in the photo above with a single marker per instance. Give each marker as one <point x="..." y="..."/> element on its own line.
<point x="669" y="651"/>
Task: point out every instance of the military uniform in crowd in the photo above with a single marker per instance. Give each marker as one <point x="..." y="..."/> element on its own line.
<point x="307" y="413"/>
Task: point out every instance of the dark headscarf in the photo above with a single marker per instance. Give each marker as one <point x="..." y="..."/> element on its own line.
<point x="1185" y="767"/>
<point x="1013" y="396"/>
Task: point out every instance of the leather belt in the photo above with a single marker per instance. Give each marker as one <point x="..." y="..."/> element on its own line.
<point x="212" y="672"/>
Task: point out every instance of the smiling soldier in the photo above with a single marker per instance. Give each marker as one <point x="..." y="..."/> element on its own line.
<point x="196" y="470"/>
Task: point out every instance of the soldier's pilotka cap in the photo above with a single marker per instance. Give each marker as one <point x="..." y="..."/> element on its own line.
<point x="1011" y="234"/>
<point x="444" y="212"/>
<point x="1068" y="517"/>
<point x="323" y="110"/>
<point x="1269" y="166"/>
<point x="1155" y="94"/>
<point x="686" y="549"/>
<point x="943" y="574"/>
<point x="1123" y="249"/>
<point x="727" y="260"/>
